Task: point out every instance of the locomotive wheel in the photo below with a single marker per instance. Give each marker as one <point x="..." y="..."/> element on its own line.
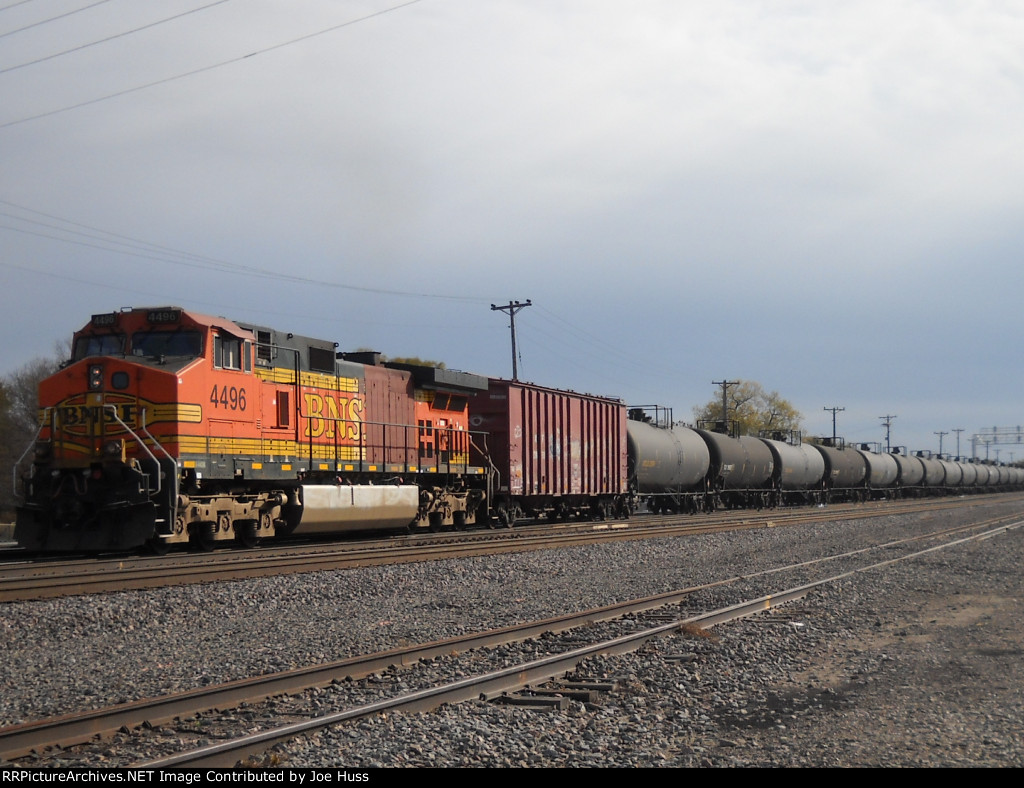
<point x="158" y="546"/>
<point x="204" y="537"/>
<point x="246" y="533"/>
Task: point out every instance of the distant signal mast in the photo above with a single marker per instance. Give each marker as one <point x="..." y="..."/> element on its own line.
<point x="996" y="436"/>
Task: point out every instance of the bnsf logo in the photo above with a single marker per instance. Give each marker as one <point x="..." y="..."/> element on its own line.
<point x="78" y="417"/>
<point x="329" y="417"/>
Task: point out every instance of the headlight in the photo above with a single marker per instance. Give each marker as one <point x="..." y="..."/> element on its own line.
<point x="114" y="450"/>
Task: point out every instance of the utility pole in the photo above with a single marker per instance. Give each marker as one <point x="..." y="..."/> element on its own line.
<point x="834" y="411"/>
<point x="940" y="434"/>
<point x="725" y="396"/>
<point x="958" y="430"/>
<point x="512" y="307"/>
<point x="888" y="427"/>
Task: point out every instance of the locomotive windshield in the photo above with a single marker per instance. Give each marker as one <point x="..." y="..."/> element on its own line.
<point x="102" y="345"/>
<point x="167" y="343"/>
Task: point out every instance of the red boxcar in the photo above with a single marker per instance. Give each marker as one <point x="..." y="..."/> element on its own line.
<point x="554" y="453"/>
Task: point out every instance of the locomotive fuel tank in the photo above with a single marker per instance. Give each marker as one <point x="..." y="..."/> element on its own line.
<point x="339" y="508"/>
<point x="672" y="459"/>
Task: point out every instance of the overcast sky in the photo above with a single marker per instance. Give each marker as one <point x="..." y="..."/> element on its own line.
<point x="825" y="198"/>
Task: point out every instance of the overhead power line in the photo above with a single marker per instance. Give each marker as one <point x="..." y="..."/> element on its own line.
<point x="126" y="245"/>
<point x="53" y="18"/>
<point x="111" y="38"/>
<point x="15" y="5"/>
<point x="210" y="67"/>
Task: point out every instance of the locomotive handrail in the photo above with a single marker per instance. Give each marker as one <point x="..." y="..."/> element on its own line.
<point x="174" y="500"/>
<point x="142" y="444"/>
<point x="156" y="443"/>
<point x="494" y="477"/>
<point x="407" y="443"/>
<point x="32" y="443"/>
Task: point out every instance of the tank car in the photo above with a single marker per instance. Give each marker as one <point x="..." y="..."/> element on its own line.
<point x="845" y="472"/>
<point x="969" y="473"/>
<point x="741" y="470"/>
<point x="882" y="472"/>
<point x="934" y="473"/>
<point x="911" y="473"/>
<point x="953" y="475"/>
<point x="798" y="470"/>
<point x="668" y="466"/>
<point x="169" y="426"/>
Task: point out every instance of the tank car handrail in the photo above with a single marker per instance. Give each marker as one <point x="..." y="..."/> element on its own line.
<point x="14" y="470"/>
<point x="142" y="444"/>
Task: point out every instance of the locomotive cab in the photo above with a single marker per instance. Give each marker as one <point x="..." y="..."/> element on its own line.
<point x="104" y="471"/>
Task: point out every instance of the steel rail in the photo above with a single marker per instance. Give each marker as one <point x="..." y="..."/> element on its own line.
<point x="70" y="729"/>
<point x="49" y="580"/>
<point x="483" y="687"/>
<point x="16" y="741"/>
<point x="490" y="685"/>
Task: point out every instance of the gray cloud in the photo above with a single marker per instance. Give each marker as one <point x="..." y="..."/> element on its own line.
<point x="823" y="199"/>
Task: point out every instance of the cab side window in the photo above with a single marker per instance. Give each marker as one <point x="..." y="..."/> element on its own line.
<point x="232" y="353"/>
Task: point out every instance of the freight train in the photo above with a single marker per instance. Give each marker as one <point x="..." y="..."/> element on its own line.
<point x="168" y="427"/>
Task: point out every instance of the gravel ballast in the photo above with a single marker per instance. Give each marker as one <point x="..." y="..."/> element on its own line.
<point x="915" y="665"/>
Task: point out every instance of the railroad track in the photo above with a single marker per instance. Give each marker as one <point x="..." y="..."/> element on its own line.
<point x="18" y="740"/>
<point x="25" y="580"/>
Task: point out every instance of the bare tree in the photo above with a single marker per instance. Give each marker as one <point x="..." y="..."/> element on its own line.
<point x="752" y="409"/>
<point x="19" y="419"/>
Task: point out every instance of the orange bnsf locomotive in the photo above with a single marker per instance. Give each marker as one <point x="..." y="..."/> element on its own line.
<point x="169" y="426"/>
